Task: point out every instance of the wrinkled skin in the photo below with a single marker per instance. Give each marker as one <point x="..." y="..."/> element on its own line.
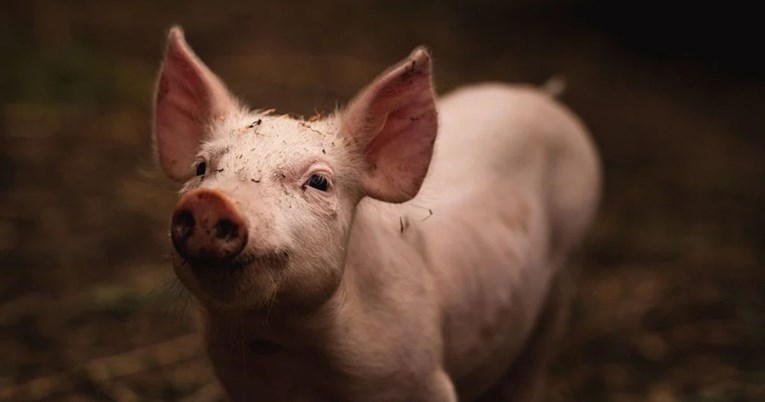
<point x="419" y="273"/>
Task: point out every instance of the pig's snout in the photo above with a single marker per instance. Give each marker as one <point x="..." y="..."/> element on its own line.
<point x="208" y="227"/>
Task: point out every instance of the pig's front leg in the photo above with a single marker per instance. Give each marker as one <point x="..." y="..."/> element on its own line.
<point x="524" y="382"/>
<point x="439" y="388"/>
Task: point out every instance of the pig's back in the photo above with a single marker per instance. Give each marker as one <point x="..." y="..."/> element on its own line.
<point x="503" y="141"/>
<point x="503" y="219"/>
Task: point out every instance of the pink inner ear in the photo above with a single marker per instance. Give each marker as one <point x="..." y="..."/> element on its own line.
<point x="395" y="121"/>
<point x="188" y="96"/>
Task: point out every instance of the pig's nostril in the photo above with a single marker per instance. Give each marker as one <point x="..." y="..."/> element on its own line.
<point x="208" y="228"/>
<point x="225" y="229"/>
<point x="183" y="225"/>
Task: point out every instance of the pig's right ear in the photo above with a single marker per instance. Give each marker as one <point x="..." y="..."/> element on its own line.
<point x="188" y="97"/>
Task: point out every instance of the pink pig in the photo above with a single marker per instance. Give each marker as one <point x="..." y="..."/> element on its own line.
<point x="402" y="249"/>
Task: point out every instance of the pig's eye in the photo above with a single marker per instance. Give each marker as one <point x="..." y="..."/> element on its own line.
<point x="201" y="168"/>
<point x="318" y="182"/>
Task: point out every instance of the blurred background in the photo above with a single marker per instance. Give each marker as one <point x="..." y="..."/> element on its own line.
<point x="670" y="304"/>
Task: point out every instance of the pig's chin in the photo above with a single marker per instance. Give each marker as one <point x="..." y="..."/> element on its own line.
<point x="244" y="282"/>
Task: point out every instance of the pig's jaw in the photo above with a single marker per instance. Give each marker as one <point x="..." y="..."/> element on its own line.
<point x="244" y="282"/>
<point x="260" y="281"/>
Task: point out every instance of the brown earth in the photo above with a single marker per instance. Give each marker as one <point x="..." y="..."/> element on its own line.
<point x="671" y="298"/>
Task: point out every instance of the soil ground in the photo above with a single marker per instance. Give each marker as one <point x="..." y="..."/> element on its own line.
<point x="670" y="302"/>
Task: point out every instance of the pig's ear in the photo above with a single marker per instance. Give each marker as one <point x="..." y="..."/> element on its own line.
<point x="188" y="97"/>
<point x="393" y="122"/>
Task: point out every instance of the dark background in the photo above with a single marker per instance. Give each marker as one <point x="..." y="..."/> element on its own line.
<point x="671" y="298"/>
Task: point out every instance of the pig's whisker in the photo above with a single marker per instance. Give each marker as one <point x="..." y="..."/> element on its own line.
<point x="174" y="296"/>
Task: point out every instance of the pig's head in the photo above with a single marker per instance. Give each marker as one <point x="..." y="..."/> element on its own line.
<point x="268" y="201"/>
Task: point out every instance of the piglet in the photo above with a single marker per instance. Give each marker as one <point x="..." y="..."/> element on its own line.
<point x="405" y="248"/>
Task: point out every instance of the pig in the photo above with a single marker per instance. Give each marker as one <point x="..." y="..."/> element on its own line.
<point x="402" y="248"/>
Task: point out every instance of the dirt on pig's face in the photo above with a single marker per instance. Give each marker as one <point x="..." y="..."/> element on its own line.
<point x="267" y="201"/>
<point x="292" y="181"/>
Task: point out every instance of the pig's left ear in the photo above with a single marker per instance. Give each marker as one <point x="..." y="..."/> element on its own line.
<point x="189" y="96"/>
<point x="393" y="123"/>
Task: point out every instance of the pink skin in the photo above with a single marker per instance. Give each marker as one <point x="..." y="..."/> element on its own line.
<point x="359" y="258"/>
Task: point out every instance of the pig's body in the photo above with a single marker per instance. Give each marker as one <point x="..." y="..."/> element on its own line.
<point x="515" y="182"/>
<point x="427" y="300"/>
<point x="357" y="258"/>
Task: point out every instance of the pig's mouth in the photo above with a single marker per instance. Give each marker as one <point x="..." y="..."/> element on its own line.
<point x="244" y="261"/>
<point x="272" y="259"/>
<point x="228" y="281"/>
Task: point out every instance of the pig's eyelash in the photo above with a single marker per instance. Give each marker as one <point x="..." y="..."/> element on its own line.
<point x="318" y="181"/>
<point x="318" y="177"/>
<point x="210" y="151"/>
<point x="207" y="157"/>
